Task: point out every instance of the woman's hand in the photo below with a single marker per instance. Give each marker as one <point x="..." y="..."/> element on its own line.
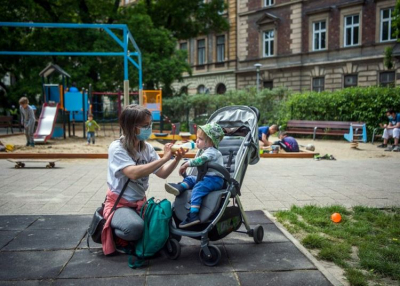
<point x="167" y="150"/>
<point x="180" y="153"/>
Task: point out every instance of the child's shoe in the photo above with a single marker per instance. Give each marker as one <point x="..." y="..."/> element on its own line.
<point x="175" y="189"/>
<point x="382" y="145"/>
<point x="27" y="144"/>
<point x="191" y="219"/>
<point x="32" y="144"/>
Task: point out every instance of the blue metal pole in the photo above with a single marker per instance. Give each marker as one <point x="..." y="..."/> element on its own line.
<point x="126" y="77"/>
<point x="125" y="54"/>
<point x="97" y="54"/>
<point x="64" y="25"/>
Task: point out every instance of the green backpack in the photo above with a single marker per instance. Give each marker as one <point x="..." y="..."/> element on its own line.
<point x="155" y="231"/>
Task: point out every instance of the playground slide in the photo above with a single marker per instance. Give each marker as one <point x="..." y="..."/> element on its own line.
<point x="46" y="123"/>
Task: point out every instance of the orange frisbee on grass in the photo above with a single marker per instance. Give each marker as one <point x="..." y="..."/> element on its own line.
<point x="336" y="217"/>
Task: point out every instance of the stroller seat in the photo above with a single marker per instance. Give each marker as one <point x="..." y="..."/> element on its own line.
<point x="229" y="147"/>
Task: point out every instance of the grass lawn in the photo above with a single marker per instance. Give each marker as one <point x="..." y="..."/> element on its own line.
<point x="366" y="243"/>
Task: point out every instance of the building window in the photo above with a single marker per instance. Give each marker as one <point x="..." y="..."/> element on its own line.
<point x="268" y="84"/>
<point x="221" y="88"/>
<point x="183" y="46"/>
<point x="201" y="52"/>
<point x="386" y="25"/>
<point x="386" y="78"/>
<point x="201" y="89"/>
<point x="319" y="36"/>
<point x="268" y="3"/>
<point x="184" y="90"/>
<point x="351" y="30"/>
<point x="350" y="80"/>
<point x="220" y="49"/>
<point x="268" y="43"/>
<point x="318" y="84"/>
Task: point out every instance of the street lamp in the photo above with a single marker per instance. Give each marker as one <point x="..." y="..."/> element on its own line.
<point x="258" y="66"/>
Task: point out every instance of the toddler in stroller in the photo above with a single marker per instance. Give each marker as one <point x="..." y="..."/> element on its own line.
<point x="208" y="138"/>
<point x="217" y="216"/>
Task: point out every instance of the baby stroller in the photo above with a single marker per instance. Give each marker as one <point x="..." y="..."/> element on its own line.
<point x="221" y="211"/>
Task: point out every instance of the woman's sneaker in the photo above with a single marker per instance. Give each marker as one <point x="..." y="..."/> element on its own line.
<point x="396" y="148"/>
<point x="191" y="219"/>
<point x="175" y="189"/>
<point x="123" y="246"/>
<point x="382" y="146"/>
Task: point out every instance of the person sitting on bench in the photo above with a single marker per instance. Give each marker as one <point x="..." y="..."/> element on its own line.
<point x="392" y="129"/>
<point x="287" y="143"/>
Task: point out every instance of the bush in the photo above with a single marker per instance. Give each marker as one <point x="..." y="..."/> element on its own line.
<point x="366" y="104"/>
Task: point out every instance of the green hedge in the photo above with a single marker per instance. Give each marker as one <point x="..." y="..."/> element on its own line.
<point x="280" y="105"/>
<point x="367" y="104"/>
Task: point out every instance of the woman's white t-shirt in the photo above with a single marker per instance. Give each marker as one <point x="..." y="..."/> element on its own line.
<point x="118" y="159"/>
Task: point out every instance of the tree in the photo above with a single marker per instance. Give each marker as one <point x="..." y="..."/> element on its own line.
<point x="188" y="19"/>
<point x="157" y="40"/>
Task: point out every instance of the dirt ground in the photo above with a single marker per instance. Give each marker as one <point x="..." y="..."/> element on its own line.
<point x="340" y="149"/>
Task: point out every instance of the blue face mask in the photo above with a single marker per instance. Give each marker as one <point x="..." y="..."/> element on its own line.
<point x="144" y="133"/>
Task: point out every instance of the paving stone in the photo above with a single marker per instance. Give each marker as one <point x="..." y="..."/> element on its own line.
<point x="6" y="236"/>
<point x="188" y="263"/>
<point x="74" y="223"/>
<point x="16" y="222"/>
<point x="45" y="239"/>
<point x="308" y="277"/>
<point x="255" y="217"/>
<point x="26" y="283"/>
<point x="267" y="257"/>
<point x="193" y="279"/>
<point x="271" y="234"/>
<point x="115" y="281"/>
<point x="85" y="264"/>
<point x="32" y="264"/>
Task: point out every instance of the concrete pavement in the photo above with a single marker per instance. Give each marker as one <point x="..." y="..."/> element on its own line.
<point x="44" y="214"/>
<point x="79" y="186"/>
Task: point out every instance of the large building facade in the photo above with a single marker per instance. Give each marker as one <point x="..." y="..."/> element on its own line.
<point x="300" y="44"/>
<point x="213" y="59"/>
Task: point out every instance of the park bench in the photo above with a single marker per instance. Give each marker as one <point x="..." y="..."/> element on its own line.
<point x="331" y="128"/>
<point x="6" y="122"/>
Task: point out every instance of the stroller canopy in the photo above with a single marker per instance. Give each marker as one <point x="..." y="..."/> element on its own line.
<point x="237" y="116"/>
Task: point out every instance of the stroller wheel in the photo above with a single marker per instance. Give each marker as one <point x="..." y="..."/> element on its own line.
<point x="258" y="234"/>
<point x="213" y="259"/>
<point x="172" y="249"/>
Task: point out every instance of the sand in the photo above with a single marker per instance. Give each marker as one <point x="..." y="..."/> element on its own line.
<point x="340" y="149"/>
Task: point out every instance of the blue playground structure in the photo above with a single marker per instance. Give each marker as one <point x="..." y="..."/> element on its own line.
<point x="130" y="53"/>
<point x="73" y="106"/>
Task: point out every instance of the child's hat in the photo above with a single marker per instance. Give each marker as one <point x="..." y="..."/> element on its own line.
<point x="214" y="132"/>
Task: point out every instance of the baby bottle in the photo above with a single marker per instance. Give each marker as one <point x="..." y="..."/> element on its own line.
<point x="186" y="146"/>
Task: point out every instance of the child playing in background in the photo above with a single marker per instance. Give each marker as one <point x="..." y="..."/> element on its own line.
<point x="287" y="143"/>
<point x="27" y="120"/>
<point x="208" y="138"/>
<point x="91" y="126"/>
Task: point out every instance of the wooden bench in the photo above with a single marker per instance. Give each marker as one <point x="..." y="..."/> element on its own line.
<point x="331" y="128"/>
<point x="7" y="122"/>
